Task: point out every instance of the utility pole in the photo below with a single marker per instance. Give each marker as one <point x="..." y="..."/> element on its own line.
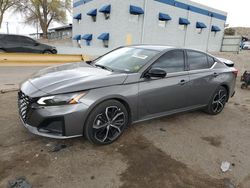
<point x="37" y="30"/>
<point x="7" y="25"/>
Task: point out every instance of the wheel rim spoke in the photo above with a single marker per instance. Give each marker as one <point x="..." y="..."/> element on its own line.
<point x="117" y="115"/>
<point x="108" y="125"/>
<point x="219" y="101"/>
<point x="106" y="135"/>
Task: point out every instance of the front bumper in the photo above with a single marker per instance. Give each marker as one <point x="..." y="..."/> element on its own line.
<point x="35" y="131"/>
<point x="61" y="122"/>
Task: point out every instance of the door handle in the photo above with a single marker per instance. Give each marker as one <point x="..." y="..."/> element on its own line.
<point x="182" y="82"/>
<point x="216" y="74"/>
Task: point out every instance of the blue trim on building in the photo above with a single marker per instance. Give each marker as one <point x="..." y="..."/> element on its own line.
<point x="175" y="4"/>
<point x="184" y="21"/>
<point x="200" y="25"/>
<point x="135" y="10"/>
<point x="105" y="9"/>
<point x="77" y="37"/>
<point x="80" y="2"/>
<point x="215" y="28"/>
<point x="93" y="12"/>
<point x="104" y="36"/>
<point x="78" y="16"/>
<point x="87" y="37"/>
<point x="193" y="9"/>
<point x="164" y="17"/>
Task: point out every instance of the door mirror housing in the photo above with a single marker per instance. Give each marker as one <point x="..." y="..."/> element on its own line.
<point x="156" y="73"/>
<point x="36" y="44"/>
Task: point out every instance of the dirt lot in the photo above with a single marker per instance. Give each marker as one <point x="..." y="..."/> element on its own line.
<point x="184" y="150"/>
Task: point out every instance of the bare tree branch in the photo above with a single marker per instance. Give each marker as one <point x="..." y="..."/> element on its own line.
<point x="44" y="11"/>
<point x="4" y="6"/>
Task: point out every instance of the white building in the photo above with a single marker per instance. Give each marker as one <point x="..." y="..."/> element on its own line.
<point x="100" y="24"/>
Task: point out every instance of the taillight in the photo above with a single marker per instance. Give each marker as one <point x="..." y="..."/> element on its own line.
<point x="235" y="72"/>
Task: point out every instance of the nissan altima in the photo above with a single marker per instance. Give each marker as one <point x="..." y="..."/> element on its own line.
<point x="99" y="99"/>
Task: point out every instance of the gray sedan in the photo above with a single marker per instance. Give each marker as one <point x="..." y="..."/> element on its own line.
<point x="99" y="99"/>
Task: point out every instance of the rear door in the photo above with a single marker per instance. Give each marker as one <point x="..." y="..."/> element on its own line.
<point x="27" y="45"/>
<point x="202" y="78"/>
<point x="159" y="96"/>
<point x="11" y="43"/>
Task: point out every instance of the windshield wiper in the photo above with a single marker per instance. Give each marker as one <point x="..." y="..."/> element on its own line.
<point x="104" y="67"/>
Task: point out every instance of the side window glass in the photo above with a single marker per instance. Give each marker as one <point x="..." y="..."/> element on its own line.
<point x="197" y="60"/>
<point x="210" y="60"/>
<point x="9" y="38"/>
<point x="172" y="61"/>
<point x="29" y="41"/>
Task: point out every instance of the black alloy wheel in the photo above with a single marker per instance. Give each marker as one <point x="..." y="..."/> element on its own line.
<point x="106" y="122"/>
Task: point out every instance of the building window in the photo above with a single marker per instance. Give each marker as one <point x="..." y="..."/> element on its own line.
<point x="163" y="19"/>
<point x="105" y="39"/>
<point x="135" y="12"/>
<point x="200" y="26"/>
<point x="106" y="11"/>
<point x="183" y="23"/>
<point x="133" y="18"/>
<point x="183" y="27"/>
<point x="162" y="23"/>
<point x="93" y="14"/>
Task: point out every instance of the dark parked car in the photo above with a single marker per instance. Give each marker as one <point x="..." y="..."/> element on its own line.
<point x="127" y="85"/>
<point x="23" y="44"/>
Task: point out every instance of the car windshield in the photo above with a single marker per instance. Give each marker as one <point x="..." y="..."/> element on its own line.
<point x="126" y="59"/>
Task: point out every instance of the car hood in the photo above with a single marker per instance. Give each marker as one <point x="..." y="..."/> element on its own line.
<point x="74" y="77"/>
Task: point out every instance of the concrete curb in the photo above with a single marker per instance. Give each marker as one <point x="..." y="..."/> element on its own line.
<point x="2" y="91"/>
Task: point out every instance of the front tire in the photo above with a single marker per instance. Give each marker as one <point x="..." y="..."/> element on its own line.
<point x="106" y="122"/>
<point x="218" y="101"/>
<point x="47" y="52"/>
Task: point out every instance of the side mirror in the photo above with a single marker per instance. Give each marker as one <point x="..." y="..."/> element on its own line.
<point x="36" y="44"/>
<point x="156" y="72"/>
<point x="88" y="62"/>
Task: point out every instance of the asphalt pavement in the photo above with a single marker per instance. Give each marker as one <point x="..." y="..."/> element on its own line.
<point x="12" y="76"/>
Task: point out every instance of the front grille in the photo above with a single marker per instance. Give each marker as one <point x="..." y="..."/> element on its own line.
<point x="24" y="105"/>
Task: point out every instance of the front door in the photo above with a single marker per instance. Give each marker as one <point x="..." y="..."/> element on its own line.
<point x="159" y="96"/>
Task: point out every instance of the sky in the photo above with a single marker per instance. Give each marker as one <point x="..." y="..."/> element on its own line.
<point x="238" y="15"/>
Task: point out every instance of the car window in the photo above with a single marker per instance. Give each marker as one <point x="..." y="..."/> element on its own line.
<point x="24" y="40"/>
<point x="172" y="61"/>
<point x="127" y="59"/>
<point x="10" y="38"/>
<point x="210" y="60"/>
<point x="197" y="60"/>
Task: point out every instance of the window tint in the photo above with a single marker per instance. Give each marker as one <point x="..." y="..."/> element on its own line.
<point x="197" y="60"/>
<point x="24" y="40"/>
<point x="210" y="61"/>
<point x="172" y="61"/>
<point x="10" y="38"/>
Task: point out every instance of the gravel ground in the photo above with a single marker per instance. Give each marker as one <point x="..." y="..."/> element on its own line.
<point x="183" y="151"/>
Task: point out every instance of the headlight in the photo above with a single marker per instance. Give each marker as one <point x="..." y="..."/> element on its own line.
<point x="63" y="99"/>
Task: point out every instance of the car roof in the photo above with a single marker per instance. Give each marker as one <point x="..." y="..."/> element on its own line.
<point x="4" y="34"/>
<point x="153" y="47"/>
<point x="162" y="47"/>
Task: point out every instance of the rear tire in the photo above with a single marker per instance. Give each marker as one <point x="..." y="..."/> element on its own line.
<point x="2" y="51"/>
<point x="106" y="122"/>
<point x="218" y="101"/>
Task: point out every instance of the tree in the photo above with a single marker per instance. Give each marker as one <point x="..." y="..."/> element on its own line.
<point x="44" y="12"/>
<point x="229" y="31"/>
<point x="4" y="6"/>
